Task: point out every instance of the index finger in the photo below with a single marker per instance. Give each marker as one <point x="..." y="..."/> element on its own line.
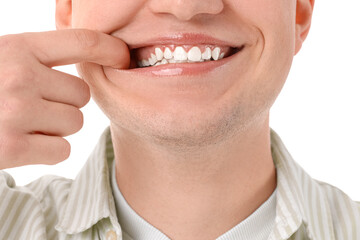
<point x="69" y="46"/>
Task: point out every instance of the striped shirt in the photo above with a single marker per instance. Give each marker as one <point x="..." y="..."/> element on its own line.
<point x="53" y="207"/>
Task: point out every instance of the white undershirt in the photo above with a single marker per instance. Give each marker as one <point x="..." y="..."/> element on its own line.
<point x="257" y="226"/>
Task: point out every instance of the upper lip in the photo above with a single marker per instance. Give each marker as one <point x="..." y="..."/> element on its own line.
<point x="184" y="39"/>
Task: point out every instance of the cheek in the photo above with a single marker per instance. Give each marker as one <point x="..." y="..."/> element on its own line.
<point x="274" y="20"/>
<point x="113" y="15"/>
<point x="103" y="92"/>
<point x="92" y="74"/>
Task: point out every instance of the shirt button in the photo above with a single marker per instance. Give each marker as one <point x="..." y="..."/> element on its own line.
<point x="111" y="235"/>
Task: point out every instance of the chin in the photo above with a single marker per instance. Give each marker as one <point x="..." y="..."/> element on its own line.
<point x="181" y="128"/>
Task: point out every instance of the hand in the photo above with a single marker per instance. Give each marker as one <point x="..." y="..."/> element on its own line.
<point x="39" y="105"/>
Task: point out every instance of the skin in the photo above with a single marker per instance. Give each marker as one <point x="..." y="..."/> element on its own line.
<point x="199" y="151"/>
<point x="39" y="106"/>
<point x="197" y="148"/>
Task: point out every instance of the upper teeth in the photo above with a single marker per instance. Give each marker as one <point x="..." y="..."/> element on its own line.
<point x="179" y="55"/>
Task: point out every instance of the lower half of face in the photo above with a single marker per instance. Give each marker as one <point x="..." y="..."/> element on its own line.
<point x="199" y="103"/>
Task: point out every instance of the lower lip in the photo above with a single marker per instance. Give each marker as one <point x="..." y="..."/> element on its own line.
<point x="183" y="69"/>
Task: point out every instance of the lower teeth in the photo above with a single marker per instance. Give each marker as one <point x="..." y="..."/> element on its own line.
<point x="175" y="61"/>
<point x="170" y="61"/>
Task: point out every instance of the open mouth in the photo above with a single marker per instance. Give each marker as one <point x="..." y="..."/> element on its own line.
<point x="156" y="55"/>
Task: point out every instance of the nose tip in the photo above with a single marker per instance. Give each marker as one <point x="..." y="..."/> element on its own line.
<point x="185" y="10"/>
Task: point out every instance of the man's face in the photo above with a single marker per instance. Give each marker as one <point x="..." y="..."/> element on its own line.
<point x="191" y="107"/>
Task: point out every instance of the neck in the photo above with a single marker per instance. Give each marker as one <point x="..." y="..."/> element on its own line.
<point x="217" y="186"/>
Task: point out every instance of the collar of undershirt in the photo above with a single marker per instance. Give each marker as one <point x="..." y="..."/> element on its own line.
<point x="257" y="226"/>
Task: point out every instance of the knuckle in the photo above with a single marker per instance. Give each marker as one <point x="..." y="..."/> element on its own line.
<point x="4" y="41"/>
<point x="17" y="77"/>
<point x="9" y="42"/>
<point x="12" y="108"/>
<point x="87" y="39"/>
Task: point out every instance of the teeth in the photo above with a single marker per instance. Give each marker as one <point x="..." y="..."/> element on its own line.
<point x="167" y="53"/>
<point x="207" y="54"/>
<point x="159" y="54"/>
<point x="215" y="53"/>
<point x="180" y="56"/>
<point x="194" y="54"/>
<point x="145" y="63"/>
<point x="152" y="59"/>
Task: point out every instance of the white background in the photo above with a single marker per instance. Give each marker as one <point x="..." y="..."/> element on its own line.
<point x="317" y="114"/>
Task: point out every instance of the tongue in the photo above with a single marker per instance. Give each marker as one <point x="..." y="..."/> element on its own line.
<point x="145" y="52"/>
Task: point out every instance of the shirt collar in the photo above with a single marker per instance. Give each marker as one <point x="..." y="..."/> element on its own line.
<point x="95" y="191"/>
<point x="297" y="194"/>
<point x="292" y="209"/>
